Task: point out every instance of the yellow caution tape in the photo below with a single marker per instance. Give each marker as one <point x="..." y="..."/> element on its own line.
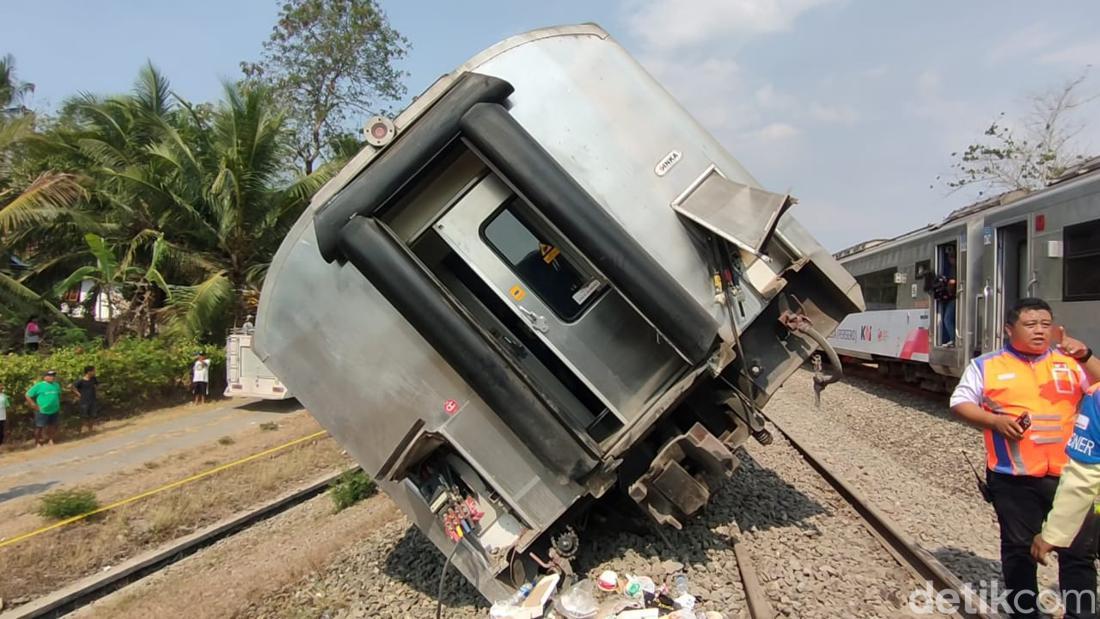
<point x="149" y="493"/>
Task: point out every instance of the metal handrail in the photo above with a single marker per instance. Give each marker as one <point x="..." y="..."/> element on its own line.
<point x="980" y="318"/>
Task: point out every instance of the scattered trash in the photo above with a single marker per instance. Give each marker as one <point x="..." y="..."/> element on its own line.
<point x="578" y="602"/>
<point x="606" y="596"/>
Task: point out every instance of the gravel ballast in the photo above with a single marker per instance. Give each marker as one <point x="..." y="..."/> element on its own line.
<point x="904" y="452"/>
<point x="812" y="553"/>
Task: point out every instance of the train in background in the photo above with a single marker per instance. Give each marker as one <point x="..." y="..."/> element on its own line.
<point x="1043" y="243"/>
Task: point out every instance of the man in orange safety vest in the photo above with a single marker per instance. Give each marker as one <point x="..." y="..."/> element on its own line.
<point x="1025" y="398"/>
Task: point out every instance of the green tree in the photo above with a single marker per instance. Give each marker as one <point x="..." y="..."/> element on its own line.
<point x="12" y="90"/>
<point x="23" y="200"/>
<point x="1027" y="155"/>
<point x="126" y="290"/>
<point x="201" y="195"/>
<point x="239" y="199"/>
<point x="327" y="59"/>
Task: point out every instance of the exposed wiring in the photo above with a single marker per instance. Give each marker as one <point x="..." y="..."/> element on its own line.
<point x="442" y="576"/>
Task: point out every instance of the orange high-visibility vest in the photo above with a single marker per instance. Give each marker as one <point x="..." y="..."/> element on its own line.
<point x="1048" y="387"/>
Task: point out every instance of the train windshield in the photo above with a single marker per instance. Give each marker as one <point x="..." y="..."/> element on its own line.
<point x="559" y="281"/>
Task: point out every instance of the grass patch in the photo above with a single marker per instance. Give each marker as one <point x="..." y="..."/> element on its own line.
<point x="269" y="425"/>
<point x="226" y="440"/>
<point x="61" y="504"/>
<point x="350" y="488"/>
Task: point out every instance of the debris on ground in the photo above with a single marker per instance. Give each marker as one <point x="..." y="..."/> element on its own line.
<point x="605" y="596"/>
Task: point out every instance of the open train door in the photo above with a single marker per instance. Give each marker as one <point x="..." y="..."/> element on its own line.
<point x="1012" y="268"/>
<point x="948" y="352"/>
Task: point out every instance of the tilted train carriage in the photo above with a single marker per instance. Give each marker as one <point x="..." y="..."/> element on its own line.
<point x="542" y="283"/>
<point x="1044" y="244"/>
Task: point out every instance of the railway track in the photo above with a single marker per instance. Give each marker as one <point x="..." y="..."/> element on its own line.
<point x="88" y="590"/>
<point x="908" y="554"/>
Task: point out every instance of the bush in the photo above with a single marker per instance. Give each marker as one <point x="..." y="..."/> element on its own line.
<point x="135" y="375"/>
<point x="60" y="336"/>
<point x="62" y="504"/>
<point x="350" y="488"/>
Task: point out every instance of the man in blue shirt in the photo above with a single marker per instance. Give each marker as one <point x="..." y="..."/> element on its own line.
<point x="1078" y="487"/>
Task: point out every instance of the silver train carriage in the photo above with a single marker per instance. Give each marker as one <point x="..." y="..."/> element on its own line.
<point x="506" y="306"/>
<point x="1043" y="243"/>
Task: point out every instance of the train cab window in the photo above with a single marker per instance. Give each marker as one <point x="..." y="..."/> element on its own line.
<point x="1080" y="277"/>
<point x="879" y="290"/>
<point x="562" y="284"/>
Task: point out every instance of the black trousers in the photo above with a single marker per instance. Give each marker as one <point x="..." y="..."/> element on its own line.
<point x="1022" y="503"/>
<point x="2" y="424"/>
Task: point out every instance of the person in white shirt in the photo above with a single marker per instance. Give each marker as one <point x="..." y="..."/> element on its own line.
<point x="200" y="379"/>
<point x="5" y="402"/>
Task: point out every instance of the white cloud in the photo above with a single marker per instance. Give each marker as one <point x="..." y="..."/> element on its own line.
<point x="841" y="114"/>
<point x="1026" y="42"/>
<point x="670" y="25"/>
<point x="712" y="89"/>
<point x="1078" y="55"/>
<point x="777" y="132"/>
<point x="768" y="97"/>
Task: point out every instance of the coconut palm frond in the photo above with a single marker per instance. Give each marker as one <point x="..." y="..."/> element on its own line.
<point x="194" y="309"/>
<point x="49" y="197"/>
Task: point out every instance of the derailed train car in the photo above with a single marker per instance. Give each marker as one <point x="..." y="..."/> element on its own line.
<point x="544" y="282"/>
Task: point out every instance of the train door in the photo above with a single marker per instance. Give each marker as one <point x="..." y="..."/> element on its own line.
<point x="553" y="294"/>
<point x="948" y="350"/>
<point x="1011" y="274"/>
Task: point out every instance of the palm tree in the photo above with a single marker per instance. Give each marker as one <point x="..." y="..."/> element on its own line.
<point x="42" y="197"/>
<point x="200" y="194"/>
<point x="237" y="200"/>
<point x="12" y="91"/>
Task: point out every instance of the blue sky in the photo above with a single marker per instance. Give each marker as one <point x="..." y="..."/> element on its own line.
<point x="853" y="106"/>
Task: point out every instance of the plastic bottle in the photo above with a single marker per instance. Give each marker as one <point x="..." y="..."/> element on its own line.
<point x="506" y="608"/>
<point x="679" y="586"/>
<point x="679" y="593"/>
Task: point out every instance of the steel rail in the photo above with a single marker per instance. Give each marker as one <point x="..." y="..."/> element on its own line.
<point x="88" y="590"/>
<point x="911" y="556"/>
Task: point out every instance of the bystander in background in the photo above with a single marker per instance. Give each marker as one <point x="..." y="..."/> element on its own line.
<point x="85" y="389"/>
<point x="44" y="398"/>
<point x="32" y="334"/>
<point x="200" y="379"/>
<point x="5" y="403"/>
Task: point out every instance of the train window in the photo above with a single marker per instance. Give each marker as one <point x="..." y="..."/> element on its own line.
<point x="1080" y="277"/>
<point x="879" y="290"/>
<point x="562" y="284"/>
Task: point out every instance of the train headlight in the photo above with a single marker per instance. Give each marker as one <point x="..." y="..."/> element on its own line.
<point x="379" y="131"/>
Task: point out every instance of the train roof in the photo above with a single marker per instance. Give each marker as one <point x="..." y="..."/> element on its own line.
<point x="1087" y="167"/>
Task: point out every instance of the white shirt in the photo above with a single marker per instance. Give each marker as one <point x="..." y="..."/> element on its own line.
<point x="971" y="386"/>
<point x="4" y="402"/>
<point x="200" y="372"/>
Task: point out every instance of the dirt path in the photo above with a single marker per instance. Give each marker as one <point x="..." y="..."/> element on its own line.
<point x="104" y="541"/>
<point x="232" y="576"/>
<point x="130" y="443"/>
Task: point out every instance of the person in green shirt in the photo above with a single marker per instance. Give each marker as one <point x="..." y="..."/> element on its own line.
<point x="44" y="398"/>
